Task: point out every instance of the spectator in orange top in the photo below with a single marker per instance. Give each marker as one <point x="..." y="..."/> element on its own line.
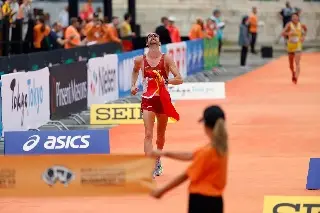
<point x="97" y="32"/>
<point x="87" y="10"/>
<point x="173" y="30"/>
<point x="40" y="31"/>
<point x="208" y="170"/>
<point x="112" y="32"/>
<point x="253" y="29"/>
<point x="89" y="24"/>
<point x="197" y="30"/>
<point x="72" y="34"/>
<point x="210" y="28"/>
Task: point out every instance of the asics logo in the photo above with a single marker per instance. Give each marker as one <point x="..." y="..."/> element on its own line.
<point x="31" y="143"/>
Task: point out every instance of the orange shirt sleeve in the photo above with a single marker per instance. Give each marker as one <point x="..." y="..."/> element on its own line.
<point x="113" y="35"/>
<point x="47" y="31"/>
<point x="198" y="167"/>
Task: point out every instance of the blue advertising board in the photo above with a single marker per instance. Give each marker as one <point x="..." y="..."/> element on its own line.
<point x="126" y="63"/>
<point x="56" y="142"/>
<point x="195" y="56"/>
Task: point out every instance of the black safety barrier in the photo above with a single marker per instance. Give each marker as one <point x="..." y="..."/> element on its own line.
<point x="35" y="61"/>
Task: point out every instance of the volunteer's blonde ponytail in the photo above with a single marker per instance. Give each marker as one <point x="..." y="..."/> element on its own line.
<point x="220" y="137"/>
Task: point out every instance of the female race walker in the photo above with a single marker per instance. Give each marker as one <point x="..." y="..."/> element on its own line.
<point x="208" y="170"/>
<point x="156" y="101"/>
<point x="295" y="32"/>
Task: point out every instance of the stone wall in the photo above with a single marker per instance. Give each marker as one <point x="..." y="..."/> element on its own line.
<point x="186" y="11"/>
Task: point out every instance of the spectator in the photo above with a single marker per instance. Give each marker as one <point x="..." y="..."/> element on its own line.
<point x="210" y="28"/>
<point x="40" y="32"/>
<point x="89" y="24"/>
<point x="125" y="29"/>
<point x="244" y="40"/>
<point x="220" y="28"/>
<point x="173" y="30"/>
<point x="72" y="34"/>
<point x="197" y="30"/>
<point x="64" y="17"/>
<point x="100" y="13"/>
<point x="7" y="10"/>
<point x="286" y="14"/>
<point x="97" y="32"/>
<point x="25" y="13"/>
<point x="14" y="5"/>
<point x="126" y="33"/>
<point x="87" y="10"/>
<point x="253" y="29"/>
<point x="55" y="40"/>
<point x="112" y="32"/>
<point x="163" y="32"/>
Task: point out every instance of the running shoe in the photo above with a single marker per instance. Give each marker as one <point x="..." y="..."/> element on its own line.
<point x="158" y="169"/>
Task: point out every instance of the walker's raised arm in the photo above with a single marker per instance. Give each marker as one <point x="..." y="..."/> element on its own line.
<point x="136" y="69"/>
<point x="174" y="70"/>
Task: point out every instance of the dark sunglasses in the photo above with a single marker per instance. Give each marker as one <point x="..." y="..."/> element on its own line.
<point x="153" y="35"/>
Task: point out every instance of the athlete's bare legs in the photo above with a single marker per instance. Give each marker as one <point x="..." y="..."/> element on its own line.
<point x="148" y="118"/>
<point x="297" y="59"/>
<point x="162" y="121"/>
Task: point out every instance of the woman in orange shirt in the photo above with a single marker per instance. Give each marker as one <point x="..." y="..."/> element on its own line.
<point x="208" y="171"/>
<point x="197" y="30"/>
<point x="40" y="32"/>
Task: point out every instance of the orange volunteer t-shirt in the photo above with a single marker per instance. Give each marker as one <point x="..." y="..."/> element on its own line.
<point x="38" y="36"/>
<point x="72" y="32"/>
<point x="253" y="21"/>
<point x="112" y="34"/>
<point x="208" y="172"/>
<point x="196" y="32"/>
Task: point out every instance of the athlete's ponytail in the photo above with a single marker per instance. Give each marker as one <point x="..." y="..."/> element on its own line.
<point x="220" y="137"/>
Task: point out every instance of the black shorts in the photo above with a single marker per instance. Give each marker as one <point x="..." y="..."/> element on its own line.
<point x="205" y="204"/>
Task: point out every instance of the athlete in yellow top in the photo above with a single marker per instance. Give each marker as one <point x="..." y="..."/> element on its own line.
<point x="295" y="33"/>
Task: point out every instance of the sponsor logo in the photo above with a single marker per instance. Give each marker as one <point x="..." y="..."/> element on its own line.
<point x="113" y="114"/>
<point x="105" y="80"/>
<point x="72" y="93"/>
<point x="58" y="174"/>
<point x="197" y="91"/>
<point x="35" y="94"/>
<point x="19" y="100"/>
<point x="60" y="142"/>
<point x="298" y="204"/>
<point x="57" y="142"/>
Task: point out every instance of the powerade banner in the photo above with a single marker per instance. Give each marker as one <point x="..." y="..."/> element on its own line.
<point x="56" y="142"/>
<point x="211" y="53"/>
<point x="194" y="56"/>
<point x="68" y="89"/>
<point x="103" y="79"/>
<point x="126" y="63"/>
<point x="25" y="100"/>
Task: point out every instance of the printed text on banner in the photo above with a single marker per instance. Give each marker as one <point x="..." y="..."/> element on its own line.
<point x="57" y="142"/>
<point x="25" y="100"/>
<point x="103" y="79"/>
<point x="195" y="56"/>
<point x="178" y="51"/>
<point x="126" y="63"/>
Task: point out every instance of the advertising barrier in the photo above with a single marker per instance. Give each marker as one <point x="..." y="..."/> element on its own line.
<point x="25" y="100"/>
<point x="75" y="175"/>
<point x="57" y="142"/>
<point x="103" y="79"/>
<point x="178" y="51"/>
<point x="126" y="63"/>
<point x="299" y="204"/>
<point x="194" y="56"/>
<point x="1" y="128"/>
<point x="197" y="91"/>
<point x="113" y="114"/>
<point x="68" y="89"/>
<point x="211" y="53"/>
